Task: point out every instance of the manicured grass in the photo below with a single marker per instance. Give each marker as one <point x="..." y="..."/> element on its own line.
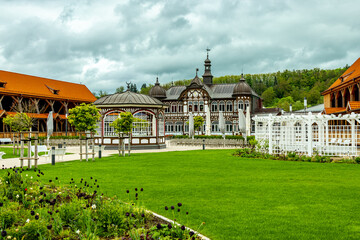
<point x="237" y="198"/>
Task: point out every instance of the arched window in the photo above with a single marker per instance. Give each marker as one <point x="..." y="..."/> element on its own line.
<point x="161" y="124"/>
<point x="241" y="104"/>
<point x="215" y="126"/>
<point x="181" y="109"/>
<point x="228" y="126"/>
<point x="108" y="119"/>
<point x="222" y="106"/>
<point x="235" y="106"/>
<point x="190" y="106"/>
<point x="196" y="104"/>
<point x="214" y="106"/>
<point x="178" y="127"/>
<point x="201" y="106"/>
<point x="142" y="125"/>
<point x="229" y="106"/>
<point x="247" y="104"/>
<point x="173" y="108"/>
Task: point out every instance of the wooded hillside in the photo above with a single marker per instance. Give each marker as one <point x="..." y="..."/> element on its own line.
<point x="281" y="89"/>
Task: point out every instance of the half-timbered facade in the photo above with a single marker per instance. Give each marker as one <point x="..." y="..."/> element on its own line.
<point x="38" y="96"/>
<point x="206" y="99"/>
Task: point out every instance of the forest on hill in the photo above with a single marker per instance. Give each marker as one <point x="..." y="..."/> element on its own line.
<point x="279" y="89"/>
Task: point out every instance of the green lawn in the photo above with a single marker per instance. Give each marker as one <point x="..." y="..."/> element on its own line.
<point x="237" y="198"/>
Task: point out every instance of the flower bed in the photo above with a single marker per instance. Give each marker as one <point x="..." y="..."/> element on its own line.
<point x="30" y="209"/>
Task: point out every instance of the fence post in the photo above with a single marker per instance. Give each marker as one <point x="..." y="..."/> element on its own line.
<point x="203" y="144"/>
<point x="99" y="151"/>
<point x="53" y="155"/>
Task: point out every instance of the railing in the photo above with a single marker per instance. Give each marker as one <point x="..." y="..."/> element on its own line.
<point x="231" y="143"/>
<point x="41" y="134"/>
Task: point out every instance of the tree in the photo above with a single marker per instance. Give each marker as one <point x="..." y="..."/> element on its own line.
<point x="268" y="96"/>
<point x="120" y="89"/>
<point x="122" y="125"/>
<point x="18" y="123"/>
<point x="198" y="122"/>
<point x="84" y="117"/>
<point x="102" y="94"/>
<point x="143" y="86"/>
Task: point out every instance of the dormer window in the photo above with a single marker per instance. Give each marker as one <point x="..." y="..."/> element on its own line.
<point x="2" y="84"/>
<point x="52" y="90"/>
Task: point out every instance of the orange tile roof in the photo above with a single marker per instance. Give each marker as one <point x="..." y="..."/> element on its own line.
<point x="43" y="87"/>
<point x="334" y="110"/>
<point x="34" y="115"/>
<point x="353" y="105"/>
<point x="352" y="72"/>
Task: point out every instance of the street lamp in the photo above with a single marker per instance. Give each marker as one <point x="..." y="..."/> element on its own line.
<point x="290" y="109"/>
<point x="305" y="104"/>
<point x="66" y="115"/>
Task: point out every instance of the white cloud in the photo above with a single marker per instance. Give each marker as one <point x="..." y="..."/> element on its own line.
<point x="106" y="45"/>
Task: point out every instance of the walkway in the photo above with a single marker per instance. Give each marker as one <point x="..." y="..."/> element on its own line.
<point x="11" y="162"/>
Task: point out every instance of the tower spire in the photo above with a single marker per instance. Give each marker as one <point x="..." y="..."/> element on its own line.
<point x="207" y="77"/>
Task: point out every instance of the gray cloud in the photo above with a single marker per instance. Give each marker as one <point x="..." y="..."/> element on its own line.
<point x="105" y="45"/>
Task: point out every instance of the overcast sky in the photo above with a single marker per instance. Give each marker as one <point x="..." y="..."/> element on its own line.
<point x="104" y="44"/>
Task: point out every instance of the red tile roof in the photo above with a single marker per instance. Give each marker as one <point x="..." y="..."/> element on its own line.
<point x="352" y="72"/>
<point x="353" y="105"/>
<point x="34" y="115"/>
<point x="334" y="110"/>
<point x="27" y="85"/>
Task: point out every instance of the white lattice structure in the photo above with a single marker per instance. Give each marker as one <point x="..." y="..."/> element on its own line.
<point x="309" y="134"/>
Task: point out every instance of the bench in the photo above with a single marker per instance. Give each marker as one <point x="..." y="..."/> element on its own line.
<point x="41" y="148"/>
<point x="58" y="152"/>
<point x="2" y="154"/>
<point x="5" y="140"/>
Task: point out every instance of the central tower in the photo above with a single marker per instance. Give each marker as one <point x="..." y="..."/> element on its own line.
<point x="207" y="77"/>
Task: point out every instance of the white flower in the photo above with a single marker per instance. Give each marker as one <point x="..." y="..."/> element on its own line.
<point x="30" y="188"/>
<point x="28" y="220"/>
<point x="25" y="195"/>
<point x="7" y="182"/>
<point x="78" y="231"/>
<point x="93" y="206"/>
<point x="59" y="193"/>
<point x="17" y="196"/>
<point x="31" y="177"/>
<point x="27" y="175"/>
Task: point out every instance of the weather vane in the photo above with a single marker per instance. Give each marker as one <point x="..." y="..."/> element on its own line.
<point x="208" y="50"/>
<point x="128" y="85"/>
<point x="197" y="71"/>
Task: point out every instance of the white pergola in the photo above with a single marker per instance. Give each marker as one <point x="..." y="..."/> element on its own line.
<point x="309" y="134"/>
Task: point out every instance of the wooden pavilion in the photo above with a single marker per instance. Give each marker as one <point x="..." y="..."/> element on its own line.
<point x="37" y="96"/>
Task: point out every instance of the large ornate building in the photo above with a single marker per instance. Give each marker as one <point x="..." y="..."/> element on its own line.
<point x="202" y="98"/>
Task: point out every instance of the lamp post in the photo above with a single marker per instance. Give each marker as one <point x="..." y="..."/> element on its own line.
<point x="66" y="115"/>
<point x="305" y="104"/>
<point x="290" y="108"/>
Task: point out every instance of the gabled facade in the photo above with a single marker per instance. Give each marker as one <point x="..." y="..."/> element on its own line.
<point x="202" y="97"/>
<point x="343" y="96"/>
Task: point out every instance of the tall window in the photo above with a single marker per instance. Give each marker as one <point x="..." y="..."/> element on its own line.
<point x="229" y="106"/>
<point x="196" y="104"/>
<point x="228" y="126"/>
<point x="222" y="106"/>
<point x="235" y="106"/>
<point x="190" y="106"/>
<point x="214" y="106"/>
<point x="241" y="104"/>
<point x="215" y="126"/>
<point x="181" y="108"/>
<point x="201" y="105"/>
<point x="247" y="104"/>
<point x="173" y="108"/>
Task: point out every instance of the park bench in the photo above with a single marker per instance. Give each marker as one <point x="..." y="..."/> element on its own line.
<point x="2" y="154"/>
<point x="58" y="152"/>
<point x="41" y="148"/>
<point x="5" y="140"/>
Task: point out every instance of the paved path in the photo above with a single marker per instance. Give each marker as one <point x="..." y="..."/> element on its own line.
<point x="11" y="162"/>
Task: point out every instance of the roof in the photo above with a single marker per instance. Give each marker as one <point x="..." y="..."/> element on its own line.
<point x="216" y="91"/>
<point x="316" y="108"/>
<point x="16" y="83"/>
<point x="36" y="115"/>
<point x="334" y="110"/>
<point x="350" y="74"/>
<point x="267" y="111"/>
<point x="128" y="99"/>
<point x="353" y="105"/>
